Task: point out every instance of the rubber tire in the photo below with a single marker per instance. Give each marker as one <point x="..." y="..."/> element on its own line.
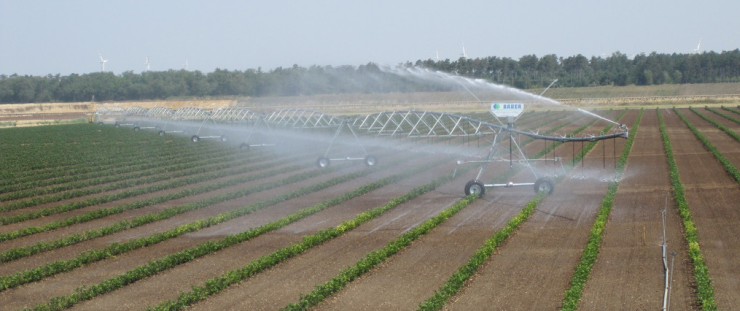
<point x="223" y="138"/>
<point x="161" y="133"/>
<point x="136" y="128"/>
<point x="195" y="138"/>
<point x="544" y="184"/>
<point x="371" y="160"/>
<point x="244" y="147"/>
<point x="475" y="186"/>
<point x="117" y="125"/>
<point x="323" y="162"/>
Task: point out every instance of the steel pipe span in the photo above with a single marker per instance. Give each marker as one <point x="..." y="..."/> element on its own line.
<point x="410" y="123"/>
<point x="437" y="124"/>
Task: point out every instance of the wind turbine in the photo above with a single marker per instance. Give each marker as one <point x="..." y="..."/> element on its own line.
<point x="464" y="55"/>
<point x="696" y="50"/>
<point x="102" y="62"/>
<point x="437" y="55"/>
<point x="186" y="64"/>
<point x="147" y="64"/>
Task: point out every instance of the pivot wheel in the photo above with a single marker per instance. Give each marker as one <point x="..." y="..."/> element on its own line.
<point x="223" y="138"/>
<point x="475" y="187"/>
<point x="136" y="128"/>
<point x="371" y="160"/>
<point x="543" y="184"/>
<point x="118" y="125"/>
<point x="161" y="133"/>
<point x="322" y="162"/>
<point x="244" y="147"/>
<point x="195" y="138"/>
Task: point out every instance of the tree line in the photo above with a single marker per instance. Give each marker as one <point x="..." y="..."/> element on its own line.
<point x="527" y="72"/>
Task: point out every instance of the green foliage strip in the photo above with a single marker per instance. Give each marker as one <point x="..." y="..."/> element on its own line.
<point x="173" y="260"/>
<point x="728" y="166"/>
<point x="114" y="249"/>
<point x="704" y="288"/>
<point x="588" y="257"/>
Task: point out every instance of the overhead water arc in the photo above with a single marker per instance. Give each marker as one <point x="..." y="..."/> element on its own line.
<point x="467" y="83"/>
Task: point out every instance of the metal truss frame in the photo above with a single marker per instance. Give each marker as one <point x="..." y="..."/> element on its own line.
<point x="186" y="114"/>
<point x="106" y="114"/>
<point x="303" y="119"/>
<point x="153" y="118"/>
<point x="436" y="124"/>
<point x="231" y="116"/>
<point x="133" y="112"/>
<point x="311" y="119"/>
<point x="409" y="123"/>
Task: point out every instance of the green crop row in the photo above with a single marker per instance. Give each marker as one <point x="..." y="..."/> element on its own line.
<point x="731" y="110"/>
<point x="133" y="174"/>
<point x="457" y="280"/>
<point x="114" y="186"/>
<point x="714" y="122"/>
<point x="372" y="259"/>
<point x="727" y="116"/>
<point x="218" y="284"/>
<point x="729" y="167"/>
<point x="704" y="288"/>
<point x="173" y="260"/>
<point x="115" y="160"/>
<point x="119" y="169"/>
<point x="205" y="176"/>
<point x="24" y="251"/>
<point x="142" y="203"/>
<point x="590" y="253"/>
<point x="67" y="153"/>
<point x="114" y="249"/>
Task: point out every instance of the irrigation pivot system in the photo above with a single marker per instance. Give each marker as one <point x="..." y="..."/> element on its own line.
<point x="153" y="118"/>
<point x="435" y="124"/>
<point x="302" y="119"/>
<point x="345" y="132"/>
<point x="112" y="115"/>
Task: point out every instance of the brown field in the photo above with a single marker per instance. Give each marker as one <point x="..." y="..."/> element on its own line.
<point x="531" y="270"/>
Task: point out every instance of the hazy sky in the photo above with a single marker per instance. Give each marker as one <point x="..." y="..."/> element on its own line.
<point x="40" y="37"/>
